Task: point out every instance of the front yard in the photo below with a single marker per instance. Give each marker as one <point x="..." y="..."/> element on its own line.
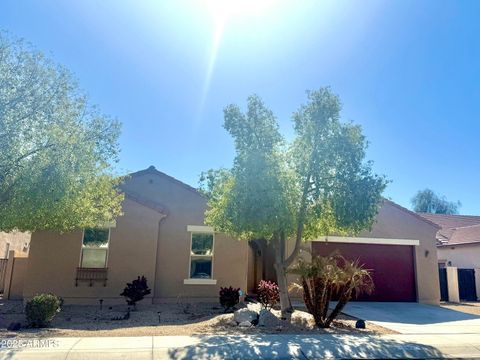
<point x="165" y="319"/>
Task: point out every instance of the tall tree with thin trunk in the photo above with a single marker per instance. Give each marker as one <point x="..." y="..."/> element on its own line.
<point x="427" y="201"/>
<point x="56" y="150"/>
<point x="319" y="184"/>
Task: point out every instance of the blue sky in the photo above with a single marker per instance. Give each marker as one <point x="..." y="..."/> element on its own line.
<point x="407" y="71"/>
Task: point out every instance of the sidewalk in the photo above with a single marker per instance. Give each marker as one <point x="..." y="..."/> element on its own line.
<point x="248" y="347"/>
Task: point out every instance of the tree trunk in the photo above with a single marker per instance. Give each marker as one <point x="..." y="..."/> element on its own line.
<point x="280" y="270"/>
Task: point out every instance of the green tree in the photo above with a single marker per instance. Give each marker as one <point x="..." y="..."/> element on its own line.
<point x="427" y="201"/>
<point x="56" y="150"/>
<point x="317" y="185"/>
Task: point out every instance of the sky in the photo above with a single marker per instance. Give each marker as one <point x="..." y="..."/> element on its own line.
<point x="407" y="71"/>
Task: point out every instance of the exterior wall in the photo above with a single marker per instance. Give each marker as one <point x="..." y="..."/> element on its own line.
<point x="186" y="207"/>
<point x="54" y="258"/>
<point x="15" y="275"/>
<point x="460" y="256"/>
<point x="396" y="223"/>
<point x="15" y="240"/>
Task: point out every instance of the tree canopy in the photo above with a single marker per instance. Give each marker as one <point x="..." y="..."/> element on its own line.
<point x="56" y="150"/>
<point x="427" y="201"/>
<point x="318" y="184"/>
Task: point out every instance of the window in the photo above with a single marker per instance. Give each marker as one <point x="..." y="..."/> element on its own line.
<point x="201" y="256"/>
<point x="95" y="248"/>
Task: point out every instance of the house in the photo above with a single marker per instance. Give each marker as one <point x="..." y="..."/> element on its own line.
<point x="458" y="240"/>
<point x="458" y="252"/>
<point x="162" y="235"/>
<point x="16" y="240"/>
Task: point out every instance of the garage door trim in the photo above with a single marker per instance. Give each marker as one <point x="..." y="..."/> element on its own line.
<point x="364" y="240"/>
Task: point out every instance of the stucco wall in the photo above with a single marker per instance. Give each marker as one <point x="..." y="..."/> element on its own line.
<point x="393" y="222"/>
<point x="15" y="275"/>
<point x="54" y="258"/>
<point x="19" y="241"/>
<point x="186" y="207"/>
<point x="396" y="223"/>
<point x="461" y="256"/>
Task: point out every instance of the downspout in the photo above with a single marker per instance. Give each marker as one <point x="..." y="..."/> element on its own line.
<point x="155" y="295"/>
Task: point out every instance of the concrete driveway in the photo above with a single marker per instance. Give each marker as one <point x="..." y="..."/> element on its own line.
<point x="415" y="318"/>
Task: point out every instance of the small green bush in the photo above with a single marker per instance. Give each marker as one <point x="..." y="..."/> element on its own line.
<point x="41" y="309"/>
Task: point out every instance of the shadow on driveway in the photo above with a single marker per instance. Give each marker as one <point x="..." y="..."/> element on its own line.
<point x="302" y="347"/>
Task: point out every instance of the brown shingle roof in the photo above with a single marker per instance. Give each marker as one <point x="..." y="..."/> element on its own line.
<point x="456" y="229"/>
<point x="452" y="221"/>
<point x="465" y="235"/>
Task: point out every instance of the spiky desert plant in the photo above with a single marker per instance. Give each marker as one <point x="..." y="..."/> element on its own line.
<point x="325" y="276"/>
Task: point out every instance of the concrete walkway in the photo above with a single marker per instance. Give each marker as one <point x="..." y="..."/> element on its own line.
<point x="415" y="318"/>
<point x="247" y="347"/>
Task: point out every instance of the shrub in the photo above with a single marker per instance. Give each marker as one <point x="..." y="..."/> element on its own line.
<point x="41" y="309"/>
<point x="268" y="294"/>
<point x="229" y="297"/>
<point x="330" y="275"/>
<point x="136" y="291"/>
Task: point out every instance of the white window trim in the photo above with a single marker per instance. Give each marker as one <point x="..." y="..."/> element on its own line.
<point x="96" y="247"/>
<point x="200" y="230"/>
<point x="365" y="240"/>
<point x="200" y="282"/>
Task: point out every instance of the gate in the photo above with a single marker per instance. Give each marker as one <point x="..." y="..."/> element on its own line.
<point x="442" y="274"/>
<point x="3" y="270"/>
<point x="466" y="284"/>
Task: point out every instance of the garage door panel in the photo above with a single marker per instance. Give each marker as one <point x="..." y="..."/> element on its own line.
<point x="391" y="266"/>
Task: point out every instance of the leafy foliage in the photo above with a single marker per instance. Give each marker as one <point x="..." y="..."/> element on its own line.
<point x="427" y="201"/>
<point x="95" y="237"/>
<point x="136" y="290"/>
<point x="268" y="294"/>
<point x="56" y="150"/>
<point x="325" y="276"/>
<point x="229" y="297"/>
<point x="318" y="184"/>
<point x="41" y="309"/>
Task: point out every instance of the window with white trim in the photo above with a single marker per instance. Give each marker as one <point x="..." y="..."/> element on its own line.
<point x="95" y="248"/>
<point x="201" y="255"/>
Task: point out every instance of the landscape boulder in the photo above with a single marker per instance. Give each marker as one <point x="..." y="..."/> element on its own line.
<point x="245" y="314"/>
<point x="267" y="318"/>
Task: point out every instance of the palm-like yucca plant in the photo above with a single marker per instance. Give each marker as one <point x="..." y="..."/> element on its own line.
<point x="325" y="276"/>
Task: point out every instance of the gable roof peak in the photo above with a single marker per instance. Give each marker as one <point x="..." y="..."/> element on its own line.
<point x="153" y="170"/>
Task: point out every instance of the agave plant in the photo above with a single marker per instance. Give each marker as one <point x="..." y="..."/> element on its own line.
<point x="325" y="276"/>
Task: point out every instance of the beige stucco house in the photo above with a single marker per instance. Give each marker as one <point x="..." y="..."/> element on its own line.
<point x="458" y="240"/>
<point x="15" y="240"/>
<point x="162" y="235"/>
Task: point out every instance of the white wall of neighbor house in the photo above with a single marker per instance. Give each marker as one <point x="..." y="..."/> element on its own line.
<point x="461" y="256"/>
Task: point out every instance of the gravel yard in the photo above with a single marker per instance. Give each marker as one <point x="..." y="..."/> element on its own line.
<point x="466" y="307"/>
<point x="164" y="319"/>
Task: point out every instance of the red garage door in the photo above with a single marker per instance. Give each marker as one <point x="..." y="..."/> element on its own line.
<point x="392" y="268"/>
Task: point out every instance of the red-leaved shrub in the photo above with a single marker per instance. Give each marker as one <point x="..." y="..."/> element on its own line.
<point x="268" y="294"/>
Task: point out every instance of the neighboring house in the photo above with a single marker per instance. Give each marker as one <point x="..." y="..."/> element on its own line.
<point x="162" y="235"/>
<point x="15" y="240"/>
<point x="12" y="241"/>
<point x="458" y="240"/>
